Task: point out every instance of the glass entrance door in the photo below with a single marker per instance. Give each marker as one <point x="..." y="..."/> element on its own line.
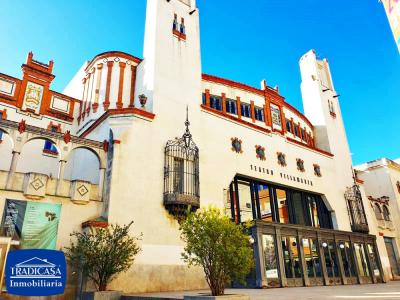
<point x="349" y="269"/>
<point x="376" y="273"/>
<point x="270" y="261"/>
<point x="313" y="262"/>
<point x="362" y="264"/>
<point x="392" y="256"/>
<point x="331" y="262"/>
<point x="292" y="262"/>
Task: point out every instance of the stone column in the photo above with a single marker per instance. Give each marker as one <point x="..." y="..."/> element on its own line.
<point x="61" y="168"/>
<point x="13" y="167"/>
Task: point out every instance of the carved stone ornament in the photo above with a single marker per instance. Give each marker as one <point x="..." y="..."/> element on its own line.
<point x="260" y="152"/>
<point x="236" y="145"/>
<point x="281" y="159"/>
<point x="300" y="164"/>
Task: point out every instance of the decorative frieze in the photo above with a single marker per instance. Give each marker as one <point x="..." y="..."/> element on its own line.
<point x="80" y="191"/>
<point x="35" y="185"/>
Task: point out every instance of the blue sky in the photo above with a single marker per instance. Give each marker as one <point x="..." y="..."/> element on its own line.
<point x="241" y="40"/>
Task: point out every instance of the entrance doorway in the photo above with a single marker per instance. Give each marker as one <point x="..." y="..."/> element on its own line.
<point x="292" y="262"/>
<point x="392" y="256"/>
<point x="331" y="262"/>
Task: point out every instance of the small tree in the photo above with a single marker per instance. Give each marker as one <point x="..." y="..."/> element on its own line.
<point x="103" y="254"/>
<point x="218" y="245"/>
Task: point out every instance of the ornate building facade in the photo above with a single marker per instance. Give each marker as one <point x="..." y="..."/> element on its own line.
<point x="143" y="139"/>
<point x="381" y="181"/>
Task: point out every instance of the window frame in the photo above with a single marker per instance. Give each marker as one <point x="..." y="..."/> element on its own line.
<point x="245" y="110"/>
<point x="216" y="102"/>
<point x="259" y="113"/>
<point x="323" y="214"/>
<point x="386" y="213"/>
<point x="229" y="103"/>
<point x="288" y="125"/>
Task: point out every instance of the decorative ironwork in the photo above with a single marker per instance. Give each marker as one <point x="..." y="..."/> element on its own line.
<point x="355" y="207"/>
<point x="181" y="174"/>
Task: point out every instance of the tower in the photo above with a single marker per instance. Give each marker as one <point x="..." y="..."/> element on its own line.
<point x="321" y="107"/>
<point x="170" y="74"/>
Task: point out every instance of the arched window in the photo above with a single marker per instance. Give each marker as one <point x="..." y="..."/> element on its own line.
<point x="378" y="211"/>
<point x="181" y="174"/>
<point x="386" y="213"/>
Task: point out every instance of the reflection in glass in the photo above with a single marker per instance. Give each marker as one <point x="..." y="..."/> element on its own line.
<point x="330" y="259"/>
<point x="291" y="257"/>
<point x="312" y="209"/>
<point x="347" y="259"/>
<point x="372" y="259"/>
<point x="361" y="259"/>
<point x="246" y="213"/>
<point x="265" y="202"/>
<point x="312" y="258"/>
<point x="298" y="208"/>
<point x="282" y="204"/>
<point x="270" y="258"/>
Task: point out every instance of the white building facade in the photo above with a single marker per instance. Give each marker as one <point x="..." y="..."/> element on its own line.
<point x="381" y="181"/>
<point x="144" y="139"/>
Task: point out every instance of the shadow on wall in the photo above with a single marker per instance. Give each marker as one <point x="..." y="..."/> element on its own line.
<point x="43" y="156"/>
<point x="83" y="164"/>
<point x="40" y="156"/>
<point x="6" y="146"/>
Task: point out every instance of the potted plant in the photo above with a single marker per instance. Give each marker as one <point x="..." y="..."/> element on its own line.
<point x="220" y="247"/>
<point x="101" y="255"/>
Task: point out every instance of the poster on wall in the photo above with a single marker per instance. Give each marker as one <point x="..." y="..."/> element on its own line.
<point x="33" y="224"/>
<point x="276" y="117"/>
<point x="392" y="8"/>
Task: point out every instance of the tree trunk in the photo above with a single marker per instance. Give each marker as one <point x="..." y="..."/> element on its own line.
<point x="102" y="287"/>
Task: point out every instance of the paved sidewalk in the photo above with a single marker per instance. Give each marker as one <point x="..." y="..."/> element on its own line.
<point x="390" y="290"/>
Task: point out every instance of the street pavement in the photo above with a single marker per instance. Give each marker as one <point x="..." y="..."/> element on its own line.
<point x="389" y="290"/>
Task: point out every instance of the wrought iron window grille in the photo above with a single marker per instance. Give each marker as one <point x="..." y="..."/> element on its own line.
<point x="181" y="174"/>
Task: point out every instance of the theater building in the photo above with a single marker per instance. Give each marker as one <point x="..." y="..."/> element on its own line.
<point x="142" y="139"/>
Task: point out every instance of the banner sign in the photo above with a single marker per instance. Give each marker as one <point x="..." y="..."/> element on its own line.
<point x="392" y="8"/>
<point x="34" y="224"/>
<point x="35" y="272"/>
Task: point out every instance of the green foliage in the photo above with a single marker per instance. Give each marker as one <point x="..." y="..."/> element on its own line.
<point x="103" y="254"/>
<point x="218" y="245"/>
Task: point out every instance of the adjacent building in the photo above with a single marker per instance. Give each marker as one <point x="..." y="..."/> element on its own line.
<point x="392" y="9"/>
<point x="143" y="139"/>
<point x="381" y="181"/>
